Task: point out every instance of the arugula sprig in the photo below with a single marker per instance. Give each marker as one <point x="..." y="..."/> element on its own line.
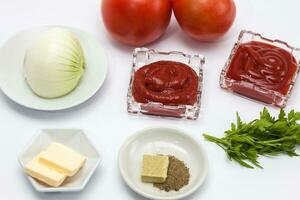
<point x="267" y="136"/>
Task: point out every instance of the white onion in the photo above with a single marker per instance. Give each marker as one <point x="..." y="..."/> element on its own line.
<point x="54" y="63"/>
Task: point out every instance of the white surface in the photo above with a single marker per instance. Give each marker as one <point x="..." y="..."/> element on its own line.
<point x="72" y="138"/>
<point x="105" y="118"/>
<point x="164" y="141"/>
<point x="14" y="85"/>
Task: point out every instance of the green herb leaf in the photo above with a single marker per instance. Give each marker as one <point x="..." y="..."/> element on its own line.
<point x="267" y="136"/>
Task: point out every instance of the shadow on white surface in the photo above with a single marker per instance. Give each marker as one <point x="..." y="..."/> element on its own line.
<point x="194" y="196"/>
<point x="90" y="188"/>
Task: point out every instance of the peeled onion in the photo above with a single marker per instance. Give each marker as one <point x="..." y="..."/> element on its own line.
<point x="54" y="63"/>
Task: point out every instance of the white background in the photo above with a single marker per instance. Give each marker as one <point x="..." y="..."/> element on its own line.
<point x="107" y="123"/>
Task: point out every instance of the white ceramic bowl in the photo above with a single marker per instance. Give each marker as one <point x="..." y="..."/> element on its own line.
<point x="167" y="141"/>
<point x="73" y="138"/>
<point x="13" y="83"/>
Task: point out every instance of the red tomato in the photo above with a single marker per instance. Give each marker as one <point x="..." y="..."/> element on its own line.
<point x="136" y="22"/>
<point x="204" y="20"/>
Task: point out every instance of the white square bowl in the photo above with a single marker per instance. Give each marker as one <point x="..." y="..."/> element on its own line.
<point x="73" y="138"/>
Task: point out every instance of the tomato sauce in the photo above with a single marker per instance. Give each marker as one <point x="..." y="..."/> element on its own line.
<point x="263" y="65"/>
<point x="166" y="82"/>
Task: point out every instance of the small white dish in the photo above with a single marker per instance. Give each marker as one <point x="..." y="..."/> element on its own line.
<point x="166" y="141"/>
<point x="13" y="83"/>
<point x="73" y="138"/>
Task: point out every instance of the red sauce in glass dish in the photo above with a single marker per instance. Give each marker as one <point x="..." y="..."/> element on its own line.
<point x="166" y="82"/>
<point x="264" y="65"/>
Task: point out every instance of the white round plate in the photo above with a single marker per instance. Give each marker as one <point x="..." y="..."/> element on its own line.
<point x="13" y="83"/>
<point x="166" y="141"/>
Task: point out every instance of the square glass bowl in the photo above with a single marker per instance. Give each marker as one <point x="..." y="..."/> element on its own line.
<point x="251" y="90"/>
<point x="144" y="56"/>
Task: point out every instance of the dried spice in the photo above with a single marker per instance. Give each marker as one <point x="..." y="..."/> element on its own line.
<point x="178" y="176"/>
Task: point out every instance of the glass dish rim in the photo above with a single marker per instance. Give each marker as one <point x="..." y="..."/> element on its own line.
<point x="199" y="73"/>
<point x="259" y="88"/>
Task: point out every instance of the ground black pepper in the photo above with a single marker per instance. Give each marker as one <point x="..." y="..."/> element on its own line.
<point x="178" y="176"/>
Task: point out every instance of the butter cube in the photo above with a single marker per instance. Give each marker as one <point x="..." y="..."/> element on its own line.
<point x="62" y="159"/>
<point x="155" y="168"/>
<point x="44" y="174"/>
